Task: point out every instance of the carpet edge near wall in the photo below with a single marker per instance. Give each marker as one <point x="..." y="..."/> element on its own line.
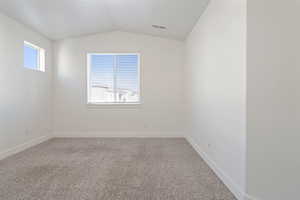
<point x="237" y="191"/>
<point x="22" y="147"/>
<point x="115" y="134"/>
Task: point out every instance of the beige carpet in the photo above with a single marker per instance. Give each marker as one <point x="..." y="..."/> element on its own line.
<point x="110" y="169"/>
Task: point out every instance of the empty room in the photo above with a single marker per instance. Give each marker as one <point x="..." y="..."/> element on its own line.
<point x="149" y="100"/>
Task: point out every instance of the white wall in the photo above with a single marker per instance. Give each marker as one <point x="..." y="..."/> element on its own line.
<point x="162" y="88"/>
<point x="25" y="95"/>
<point x="216" y="93"/>
<point x="273" y="102"/>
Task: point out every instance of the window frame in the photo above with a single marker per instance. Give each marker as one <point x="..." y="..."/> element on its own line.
<point x="41" y="57"/>
<point x="88" y="71"/>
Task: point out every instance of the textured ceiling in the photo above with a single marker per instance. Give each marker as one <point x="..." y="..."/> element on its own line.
<point x="58" y="19"/>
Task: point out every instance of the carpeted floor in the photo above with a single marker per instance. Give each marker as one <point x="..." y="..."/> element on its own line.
<point x="110" y="169"/>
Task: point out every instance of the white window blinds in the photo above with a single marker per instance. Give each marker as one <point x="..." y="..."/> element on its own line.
<point x="113" y="78"/>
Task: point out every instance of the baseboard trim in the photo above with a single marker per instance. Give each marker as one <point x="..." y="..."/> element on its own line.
<point x="248" y="197"/>
<point x="23" y="147"/>
<point x="62" y="134"/>
<point x="218" y="171"/>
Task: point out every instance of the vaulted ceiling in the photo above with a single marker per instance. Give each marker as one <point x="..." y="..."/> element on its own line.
<point x="58" y="19"/>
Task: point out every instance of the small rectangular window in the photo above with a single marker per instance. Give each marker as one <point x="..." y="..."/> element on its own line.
<point x="113" y="79"/>
<point x="34" y="57"/>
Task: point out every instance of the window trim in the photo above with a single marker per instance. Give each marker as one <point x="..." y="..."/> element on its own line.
<point x="106" y="104"/>
<point x="41" y="58"/>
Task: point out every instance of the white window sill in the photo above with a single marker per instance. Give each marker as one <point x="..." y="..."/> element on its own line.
<point x="113" y="105"/>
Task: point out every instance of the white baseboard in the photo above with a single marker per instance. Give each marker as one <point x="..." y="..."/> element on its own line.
<point x="23" y="146"/>
<point x="248" y="197"/>
<point x="238" y="193"/>
<point x="138" y="134"/>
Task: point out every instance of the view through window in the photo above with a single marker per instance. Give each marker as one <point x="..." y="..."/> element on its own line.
<point x="34" y="57"/>
<point x="113" y="78"/>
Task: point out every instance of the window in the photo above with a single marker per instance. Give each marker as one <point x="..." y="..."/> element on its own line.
<point x="113" y="79"/>
<point x="34" y="57"/>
